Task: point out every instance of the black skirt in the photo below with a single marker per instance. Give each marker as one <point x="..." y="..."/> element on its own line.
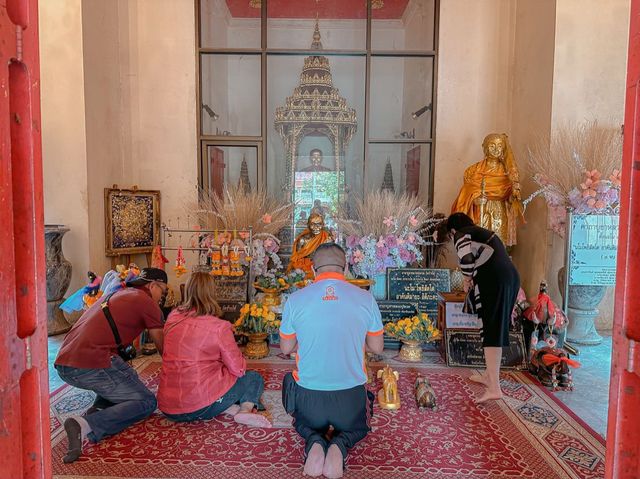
<point x="497" y="284"/>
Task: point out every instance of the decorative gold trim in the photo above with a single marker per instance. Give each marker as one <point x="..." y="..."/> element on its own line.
<point x="109" y="194"/>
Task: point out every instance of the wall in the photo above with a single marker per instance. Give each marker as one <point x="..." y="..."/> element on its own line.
<point x="589" y="83"/>
<point x="64" y="153"/>
<point x="533" y="56"/>
<point x="474" y="82"/>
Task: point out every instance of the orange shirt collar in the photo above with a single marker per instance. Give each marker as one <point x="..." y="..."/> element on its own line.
<point x="329" y="275"/>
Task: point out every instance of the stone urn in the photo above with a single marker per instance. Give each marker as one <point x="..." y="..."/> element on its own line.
<point x="582" y="311"/>
<point x="58" y="278"/>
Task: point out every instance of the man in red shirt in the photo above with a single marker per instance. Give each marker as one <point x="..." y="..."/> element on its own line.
<point x="89" y="359"/>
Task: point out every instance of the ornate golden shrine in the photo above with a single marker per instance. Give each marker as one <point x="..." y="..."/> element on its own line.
<point x="315" y="109"/>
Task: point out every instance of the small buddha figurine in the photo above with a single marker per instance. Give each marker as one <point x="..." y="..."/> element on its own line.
<point x="307" y="242"/>
<point x="490" y="194"/>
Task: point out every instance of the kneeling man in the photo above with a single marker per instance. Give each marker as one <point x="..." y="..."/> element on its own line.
<point x="330" y="322"/>
<point x="89" y="359"/>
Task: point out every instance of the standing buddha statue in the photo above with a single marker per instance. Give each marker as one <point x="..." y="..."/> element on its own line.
<point x="490" y="194"/>
<point x="307" y="242"/>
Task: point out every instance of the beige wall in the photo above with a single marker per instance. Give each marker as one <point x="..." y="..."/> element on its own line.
<point x="532" y="86"/>
<point x="589" y="83"/>
<point x="473" y="87"/>
<point x="124" y="115"/>
<point x="63" y="129"/>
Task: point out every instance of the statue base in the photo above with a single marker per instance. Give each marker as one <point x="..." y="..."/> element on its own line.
<point x="56" y="323"/>
<point x="581" y="329"/>
<point x="394" y="406"/>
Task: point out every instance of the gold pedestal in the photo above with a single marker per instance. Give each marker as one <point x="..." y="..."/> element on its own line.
<point x="257" y="347"/>
<point x="387" y="405"/>
<point x="271" y="296"/>
<point x="410" y="351"/>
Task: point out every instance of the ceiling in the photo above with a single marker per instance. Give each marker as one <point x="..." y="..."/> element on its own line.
<point x="335" y="9"/>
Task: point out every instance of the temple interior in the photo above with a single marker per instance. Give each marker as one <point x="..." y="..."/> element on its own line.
<point x="317" y="104"/>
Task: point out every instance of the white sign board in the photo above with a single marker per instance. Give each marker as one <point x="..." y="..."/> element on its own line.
<point x="459" y="320"/>
<point x="593" y="250"/>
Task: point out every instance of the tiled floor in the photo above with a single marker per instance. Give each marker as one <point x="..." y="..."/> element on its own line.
<point x="589" y="400"/>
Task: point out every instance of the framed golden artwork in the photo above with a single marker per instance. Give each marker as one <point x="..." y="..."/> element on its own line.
<point x="132" y="221"/>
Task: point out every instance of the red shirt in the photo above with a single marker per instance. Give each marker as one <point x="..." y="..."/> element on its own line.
<point x="200" y="362"/>
<point x="90" y="343"/>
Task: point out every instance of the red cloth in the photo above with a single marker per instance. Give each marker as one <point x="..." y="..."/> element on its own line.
<point x="200" y="362"/>
<point x="90" y="343"/>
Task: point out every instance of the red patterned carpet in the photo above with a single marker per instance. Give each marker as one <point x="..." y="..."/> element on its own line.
<point x="528" y="435"/>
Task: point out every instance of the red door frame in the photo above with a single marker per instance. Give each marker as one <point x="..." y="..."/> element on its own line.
<point x="623" y="435"/>
<point x="25" y="449"/>
<point x="25" y="446"/>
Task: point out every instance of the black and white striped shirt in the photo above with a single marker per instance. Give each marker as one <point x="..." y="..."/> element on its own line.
<point x="472" y="248"/>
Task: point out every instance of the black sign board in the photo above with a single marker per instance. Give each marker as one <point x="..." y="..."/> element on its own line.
<point x="419" y="286"/>
<point x="464" y="348"/>
<point x="393" y="311"/>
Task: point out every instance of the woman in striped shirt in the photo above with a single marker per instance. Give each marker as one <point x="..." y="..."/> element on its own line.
<point x="494" y="280"/>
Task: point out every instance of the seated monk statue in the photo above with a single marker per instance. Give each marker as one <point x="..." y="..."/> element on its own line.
<point x="490" y="195"/>
<point x="307" y="242"/>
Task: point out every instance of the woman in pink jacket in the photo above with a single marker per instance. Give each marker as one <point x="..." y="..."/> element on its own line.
<point x="203" y="371"/>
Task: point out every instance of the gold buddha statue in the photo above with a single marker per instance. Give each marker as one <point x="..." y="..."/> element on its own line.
<point x="490" y="194"/>
<point x="307" y="242"/>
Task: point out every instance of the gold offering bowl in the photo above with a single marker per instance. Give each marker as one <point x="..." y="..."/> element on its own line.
<point x="361" y="283"/>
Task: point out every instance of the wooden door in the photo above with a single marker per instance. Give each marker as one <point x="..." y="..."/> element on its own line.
<point x="412" y="179"/>
<point x="216" y="170"/>
<point x="623" y="433"/>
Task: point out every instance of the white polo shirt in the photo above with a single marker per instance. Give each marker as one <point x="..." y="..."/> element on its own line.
<point x="330" y="319"/>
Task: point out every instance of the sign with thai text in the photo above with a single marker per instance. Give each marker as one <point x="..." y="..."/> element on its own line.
<point x="464" y="348"/>
<point x="458" y="320"/>
<point x="419" y="286"/>
<point x="593" y="250"/>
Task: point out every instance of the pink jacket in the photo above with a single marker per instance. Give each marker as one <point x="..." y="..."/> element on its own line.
<point x="200" y="362"/>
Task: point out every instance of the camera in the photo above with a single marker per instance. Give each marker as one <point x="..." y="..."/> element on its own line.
<point x="127" y="352"/>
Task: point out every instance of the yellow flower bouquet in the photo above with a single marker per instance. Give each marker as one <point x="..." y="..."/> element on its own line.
<point x="412" y="331"/>
<point x="255" y="319"/>
<point x="414" y="328"/>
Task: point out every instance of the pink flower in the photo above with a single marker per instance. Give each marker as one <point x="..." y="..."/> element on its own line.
<point x="388" y="221"/>
<point x="352" y="241"/>
<point x="411" y="238"/>
<point x="266" y="218"/>
<point x="413" y="221"/>
<point x="599" y="204"/>
<point x="244" y="234"/>
<point x="615" y="177"/>
<point x="380" y="243"/>
<point x="401" y="241"/>
<point x="591" y="202"/>
<point x="358" y="256"/>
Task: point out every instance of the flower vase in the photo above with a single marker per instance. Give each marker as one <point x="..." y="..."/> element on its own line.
<point x="411" y="351"/>
<point x="257" y="347"/>
<point x="379" y="287"/>
<point x="58" y="278"/>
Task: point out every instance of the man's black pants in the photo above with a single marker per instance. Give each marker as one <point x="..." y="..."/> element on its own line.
<point x="349" y="411"/>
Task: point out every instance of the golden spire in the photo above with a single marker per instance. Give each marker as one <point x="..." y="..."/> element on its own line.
<point x="316" y="44"/>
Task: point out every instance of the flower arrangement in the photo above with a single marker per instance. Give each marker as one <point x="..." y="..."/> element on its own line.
<point x="271" y="280"/>
<point x="383" y="231"/>
<point x="578" y="168"/>
<point x="254" y="318"/>
<point x="414" y="328"/>
<point x="240" y="209"/>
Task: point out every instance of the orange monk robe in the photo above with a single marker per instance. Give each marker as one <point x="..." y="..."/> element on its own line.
<point x="498" y="186"/>
<point x="301" y="258"/>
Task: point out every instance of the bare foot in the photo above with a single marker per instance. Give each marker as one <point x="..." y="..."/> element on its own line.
<point x="479" y="378"/>
<point x="315" y="461"/>
<point x="333" y="463"/>
<point x="251" y="419"/>
<point x="232" y="410"/>
<point x="489" y="395"/>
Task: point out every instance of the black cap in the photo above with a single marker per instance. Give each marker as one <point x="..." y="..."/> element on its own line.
<point x="148" y="275"/>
